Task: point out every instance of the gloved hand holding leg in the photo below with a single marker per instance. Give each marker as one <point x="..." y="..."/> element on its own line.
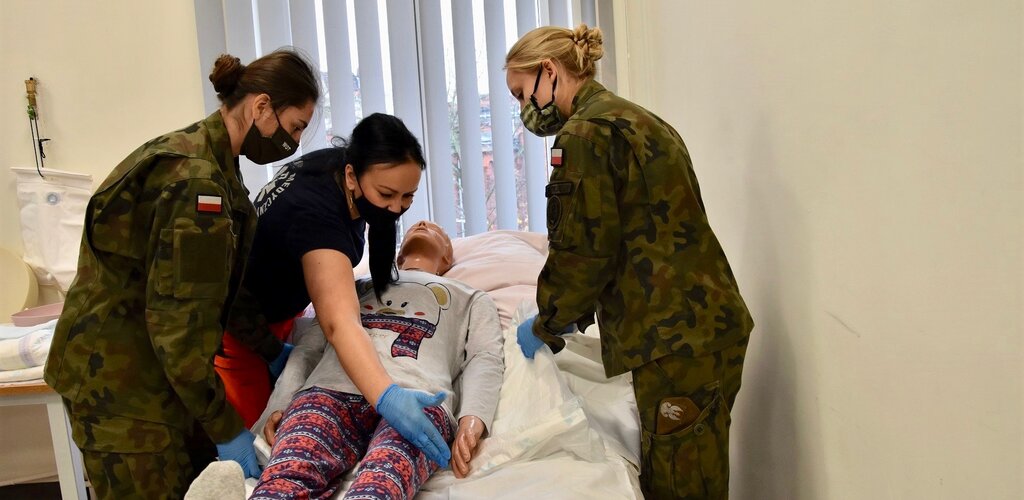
<point x="403" y="409"/>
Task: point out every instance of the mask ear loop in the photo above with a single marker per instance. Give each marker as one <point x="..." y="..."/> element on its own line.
<point x="554" y="87"/>
<point x="536" y="85"/>
<point x="276" y="117"/>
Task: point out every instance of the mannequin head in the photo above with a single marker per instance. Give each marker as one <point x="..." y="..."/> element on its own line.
<point x="426" y="248"/>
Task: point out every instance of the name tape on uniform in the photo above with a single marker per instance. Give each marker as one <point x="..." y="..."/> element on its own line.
<point x="208" y="204"/>
<point x="557" y="188"/>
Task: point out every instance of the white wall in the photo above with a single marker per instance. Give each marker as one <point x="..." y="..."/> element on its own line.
<point x="861" y="162"/>
<point x="113" y="74"/>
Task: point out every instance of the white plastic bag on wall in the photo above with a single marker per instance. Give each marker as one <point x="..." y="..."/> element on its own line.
<point x="52" y="217"/>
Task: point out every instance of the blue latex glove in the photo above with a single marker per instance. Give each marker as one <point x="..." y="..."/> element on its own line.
<point x="277" y="365"/>
<point x="528" y="342"/>
<point x="240" y="450"/>
<point x="403" y="409"/>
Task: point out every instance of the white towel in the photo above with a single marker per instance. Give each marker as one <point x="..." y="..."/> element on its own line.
<point x="28" y="351"/>
<point x="23" y="375"/>
<point x="9" y="331"/>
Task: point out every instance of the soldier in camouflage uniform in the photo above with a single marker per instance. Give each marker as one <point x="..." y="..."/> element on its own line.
<point x="629" y="239"/>
<point x="165" y="240"/>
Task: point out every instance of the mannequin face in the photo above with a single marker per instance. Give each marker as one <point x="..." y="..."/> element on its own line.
<point x="426" y="248"/>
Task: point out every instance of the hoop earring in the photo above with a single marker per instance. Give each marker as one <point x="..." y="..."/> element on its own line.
<point x="352" y="210"/>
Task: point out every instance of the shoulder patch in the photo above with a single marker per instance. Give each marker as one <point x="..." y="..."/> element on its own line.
<point x="556" y="157"/>
<point x="554" y="213"/>
<point x="208" y="204"/>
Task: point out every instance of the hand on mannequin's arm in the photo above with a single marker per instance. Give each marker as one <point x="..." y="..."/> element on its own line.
<point x="331" y="286"/>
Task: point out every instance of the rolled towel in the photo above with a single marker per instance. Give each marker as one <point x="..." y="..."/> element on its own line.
<point x="25" y="352"/>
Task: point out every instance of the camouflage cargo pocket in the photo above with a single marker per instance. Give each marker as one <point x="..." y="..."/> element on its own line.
<point x="692" y="462"/>
<point x="113" y="434"/>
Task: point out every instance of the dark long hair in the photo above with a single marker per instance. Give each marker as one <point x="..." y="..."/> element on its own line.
<point x="383" y="141"/>
<point x="284" y="74"/>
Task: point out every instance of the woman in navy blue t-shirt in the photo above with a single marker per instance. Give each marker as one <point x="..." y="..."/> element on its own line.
<point x="312" y="217"/>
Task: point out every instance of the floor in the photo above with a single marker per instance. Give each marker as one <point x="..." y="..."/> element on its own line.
<point x="32" y="491"/>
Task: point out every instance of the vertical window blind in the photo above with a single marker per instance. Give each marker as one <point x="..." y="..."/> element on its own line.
<point x="437" y="65"/>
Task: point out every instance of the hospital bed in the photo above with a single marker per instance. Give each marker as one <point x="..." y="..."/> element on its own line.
<point x="562" y="429"/>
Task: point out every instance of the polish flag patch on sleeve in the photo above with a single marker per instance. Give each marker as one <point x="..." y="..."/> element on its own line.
<point x="208" y="204"/>
<point x="556" y="157"/>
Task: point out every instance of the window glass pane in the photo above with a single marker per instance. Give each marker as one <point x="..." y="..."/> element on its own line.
<point x="507" y="173"/>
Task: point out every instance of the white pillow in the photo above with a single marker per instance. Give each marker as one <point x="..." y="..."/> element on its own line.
<point x="505" y="264"/>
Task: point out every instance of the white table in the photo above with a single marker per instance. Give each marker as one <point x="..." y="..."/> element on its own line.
<point x="69" y="458"/>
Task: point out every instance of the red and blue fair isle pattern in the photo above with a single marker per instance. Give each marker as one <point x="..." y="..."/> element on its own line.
<point x="411" y="332"/>
<point x="323" y="434"/>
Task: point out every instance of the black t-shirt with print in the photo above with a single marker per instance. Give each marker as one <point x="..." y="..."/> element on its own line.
<point x="300" y="210"/>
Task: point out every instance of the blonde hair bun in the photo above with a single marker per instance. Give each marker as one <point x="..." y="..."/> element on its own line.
<point x="590" y="44"/>
<point x="577" y="50"/>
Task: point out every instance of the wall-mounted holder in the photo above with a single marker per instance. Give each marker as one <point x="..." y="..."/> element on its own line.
<point x="33" y="123"/>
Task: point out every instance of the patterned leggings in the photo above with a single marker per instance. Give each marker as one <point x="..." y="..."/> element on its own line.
<point x="323" y="434"/>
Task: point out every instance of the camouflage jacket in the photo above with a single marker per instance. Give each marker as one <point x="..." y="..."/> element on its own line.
<point x="165" y="242"/>
<point x="629" y="240"/>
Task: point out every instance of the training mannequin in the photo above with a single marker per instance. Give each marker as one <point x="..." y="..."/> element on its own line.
<point x="432" y="334"/>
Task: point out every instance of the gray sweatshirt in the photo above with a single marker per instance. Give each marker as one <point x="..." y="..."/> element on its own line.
<point x="432" y="334"/>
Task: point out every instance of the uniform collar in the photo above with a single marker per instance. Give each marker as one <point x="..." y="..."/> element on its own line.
<point x="220" y="143"/>
<point x="589" y="89"/>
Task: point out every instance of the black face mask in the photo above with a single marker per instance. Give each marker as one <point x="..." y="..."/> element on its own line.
<point x="264" y="150"/>
<point x="383" y="237"/>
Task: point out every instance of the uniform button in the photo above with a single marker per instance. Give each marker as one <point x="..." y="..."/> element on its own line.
<point x="699" y="429"/>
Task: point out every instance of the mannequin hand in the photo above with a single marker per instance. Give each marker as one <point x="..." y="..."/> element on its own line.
<point x="471" y="430"/>
<point x="270" y="428"/>
<point x="403" y="409"/>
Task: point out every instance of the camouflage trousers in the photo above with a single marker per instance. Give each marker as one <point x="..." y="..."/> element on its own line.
<point x="690" y="462"/>
<point x="132" y="459"/>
